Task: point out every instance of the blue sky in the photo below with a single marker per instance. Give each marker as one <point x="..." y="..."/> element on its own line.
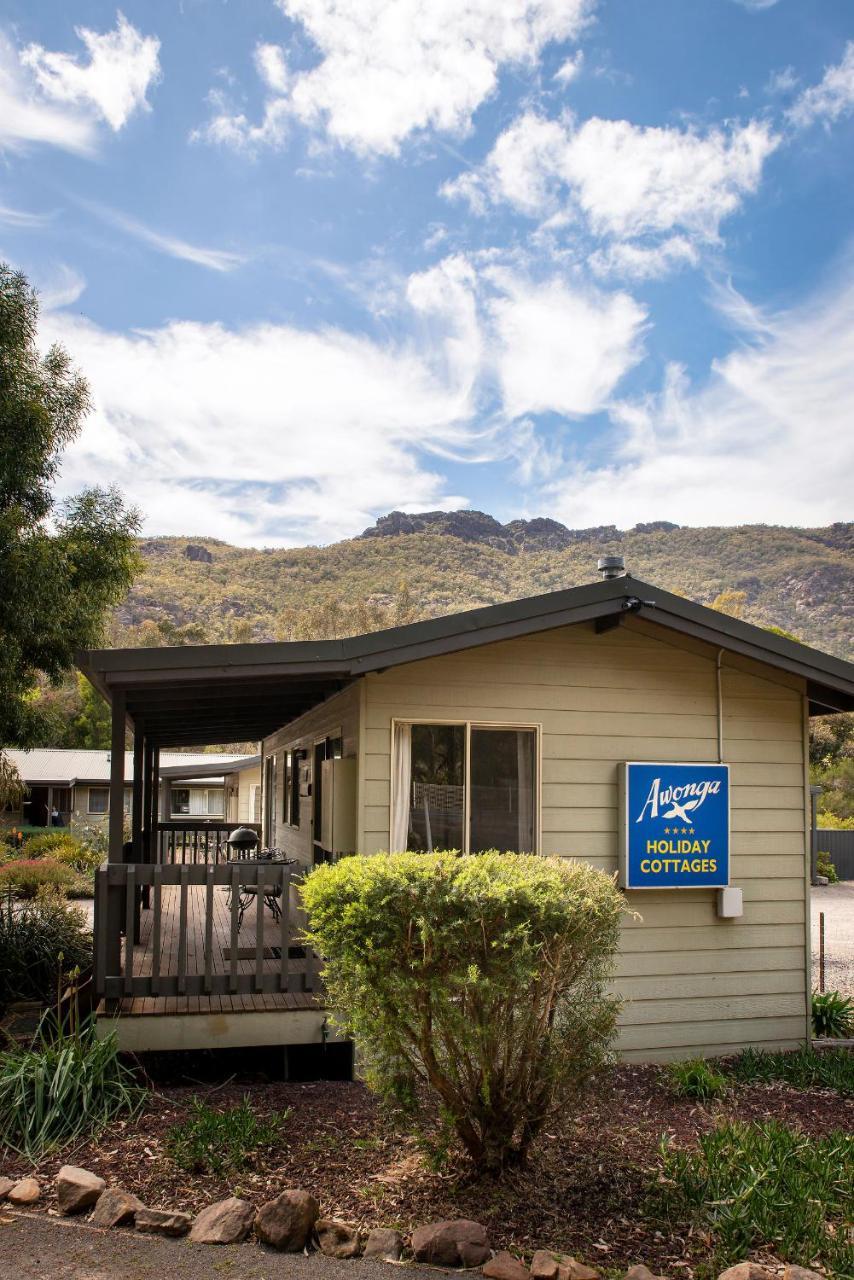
<point x="322" y="258"/>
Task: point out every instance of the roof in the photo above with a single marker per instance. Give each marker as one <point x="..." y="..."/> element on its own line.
<point x="215" y="693"/>
<point x="65" y="768"/>
<point x="205" y="770"/>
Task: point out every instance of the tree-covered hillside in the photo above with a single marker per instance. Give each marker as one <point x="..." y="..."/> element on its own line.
<point x="414" y="566"/>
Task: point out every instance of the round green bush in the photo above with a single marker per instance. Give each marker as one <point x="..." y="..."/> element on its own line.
<point x="480" y="977"/>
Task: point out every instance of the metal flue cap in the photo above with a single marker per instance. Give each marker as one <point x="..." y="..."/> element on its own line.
<point x="611" y="566"/>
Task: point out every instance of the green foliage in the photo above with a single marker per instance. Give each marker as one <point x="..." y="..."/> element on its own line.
<point x="696" y="1078"/>
<point x="832" y="1014"/>
<point x="26" y="877"/>
<point x="763" y="1186"/>
<point x="39" y="942"/>
<point x="481" y="978"/>
<point x="824" y="866"/>
<point x="223" y="1141"/>
<point x="836" y="803"/>
<point x="832" y="740"/>
<point x="66" y="847"/>
<point x="806" y="1068"/>
<point x="62" y="569"/>
<point x="70" y="1084"/>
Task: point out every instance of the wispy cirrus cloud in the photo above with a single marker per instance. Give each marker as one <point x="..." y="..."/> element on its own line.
<point x="162" y="242"/>
<point x="830" y="99"/>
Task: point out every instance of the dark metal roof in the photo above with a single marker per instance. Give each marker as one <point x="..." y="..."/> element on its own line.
<point x="215" y="693"/>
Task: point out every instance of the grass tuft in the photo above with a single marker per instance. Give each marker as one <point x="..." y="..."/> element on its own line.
<point x="806" y="1068"/>
<point x="222" y="1141"/>
<point x="696" y="1078"/>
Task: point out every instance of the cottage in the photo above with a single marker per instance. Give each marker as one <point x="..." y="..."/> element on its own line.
<point x="613" y="722"/>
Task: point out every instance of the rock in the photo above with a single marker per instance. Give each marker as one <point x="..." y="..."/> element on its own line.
<point x="336" y="1239"/>
<point x="77" y="1189"/>
<point x="6" y="1185"/>
<point x="793" y="1272"/>
<point x="505" y="1267"/>
<point x="747" y="1271"/>
<point x="286" y="1222"/>
<point x="115" y="1207"/>
<point x="459" y="1242"/>
<point x="385" y="1244"/>
<point x="225" y="1222"/>
<point x="27" y="1191"/>
<point x="640" y="1272"/>
<point x="162" y="1222"/>
<point x="570" y="1269"/>
<point x="544" y="1265"/>
<point x="199" y="554"/>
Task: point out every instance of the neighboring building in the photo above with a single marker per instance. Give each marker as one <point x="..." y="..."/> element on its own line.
<point x="511" y="726"/>
<point x="76" y="784"/>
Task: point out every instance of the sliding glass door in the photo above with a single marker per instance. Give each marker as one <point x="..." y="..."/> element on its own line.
<point x="464" y="786"/>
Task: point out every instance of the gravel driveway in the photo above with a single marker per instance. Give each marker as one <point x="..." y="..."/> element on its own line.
<point x="837" y="903"/>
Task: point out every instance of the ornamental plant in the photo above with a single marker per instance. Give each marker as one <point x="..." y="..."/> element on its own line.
<point x="478" y="982"/>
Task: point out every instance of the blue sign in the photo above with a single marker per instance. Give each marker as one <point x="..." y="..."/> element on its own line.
<point x="675" y="826"/>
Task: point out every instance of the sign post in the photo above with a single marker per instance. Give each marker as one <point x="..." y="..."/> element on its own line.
<point x="674" y="826"/>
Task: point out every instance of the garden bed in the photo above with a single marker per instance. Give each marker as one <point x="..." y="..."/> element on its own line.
<point x="585" y="1190"/>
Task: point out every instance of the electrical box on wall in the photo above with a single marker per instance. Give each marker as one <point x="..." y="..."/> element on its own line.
<point x="730" y="903"/>
<point x="338" y="805"/>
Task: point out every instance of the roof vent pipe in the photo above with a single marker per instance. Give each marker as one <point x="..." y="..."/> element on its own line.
<point x="611" y="567"/>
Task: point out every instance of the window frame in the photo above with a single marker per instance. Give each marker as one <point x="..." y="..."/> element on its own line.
<point x="178" y="813"/>
<point x="469" y="724"/>
<point x="98" y="813"/>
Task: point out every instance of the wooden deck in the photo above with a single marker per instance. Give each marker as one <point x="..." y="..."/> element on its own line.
<point x="143" y="956"/>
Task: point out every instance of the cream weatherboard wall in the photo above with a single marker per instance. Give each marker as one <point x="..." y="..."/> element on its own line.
<point x="693" y="983"/>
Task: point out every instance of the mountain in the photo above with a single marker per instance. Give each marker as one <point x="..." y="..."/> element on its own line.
<point x="410" y="566"/>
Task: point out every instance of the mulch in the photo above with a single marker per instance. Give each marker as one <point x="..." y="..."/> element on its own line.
<point x="582" y="1192"/>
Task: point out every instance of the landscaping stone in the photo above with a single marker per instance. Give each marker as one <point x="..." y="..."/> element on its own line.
<point x="505" y="1267"/>
<point x="27" y="1191"/>
<point x="162" y="1222"/>
<point x="115" y="1207"/>
<point x="336" y="1239"/>
<point x="454" y="1243"/>
<point x="747" y="1271"/>
<point x="77" y="1189"/>
<point x="6" y="1185"/>
<point x="640" y="1272"/>
<point x="225" y="1222"/>
<point x="385" y="1244"/>
<point x="570" y="1268"/>
<point x="544" y="1265"/>
<point x="286" y="1222"/>
<point x="793" y="1272"/>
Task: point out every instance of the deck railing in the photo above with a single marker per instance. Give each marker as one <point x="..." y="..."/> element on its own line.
<point x="187" y="952"/>
<point x="203" y="840"/>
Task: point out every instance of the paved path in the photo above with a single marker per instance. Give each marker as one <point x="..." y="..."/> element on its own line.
<point x="837" y="903"/>
<point x="34" y="1246"/>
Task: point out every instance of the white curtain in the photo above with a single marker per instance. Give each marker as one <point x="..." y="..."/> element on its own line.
<point x="524" y="756"/>
<point x="401" y="774"/>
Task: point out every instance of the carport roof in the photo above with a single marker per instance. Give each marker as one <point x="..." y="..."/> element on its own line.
<point x="216" y="693"/>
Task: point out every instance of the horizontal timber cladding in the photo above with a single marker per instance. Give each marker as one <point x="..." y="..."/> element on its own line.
<point x="691" y="982"/>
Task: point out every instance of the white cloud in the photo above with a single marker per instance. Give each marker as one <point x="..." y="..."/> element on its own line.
<point x="767" y="439"/>
<point x="391" y="68"/>
<point x="625" y="180"/>
<point x="22" y="218"/>
<point x="562" y="349"/>
<point x="172" y="246"/>
<point x="831" y="98"/>
<point x="756" y="5"/>
<point x="121" y="66"/>
<point x="57" y="99"/>
<point x="271" y="65"/>
<point x="643" y="262"/>
<point x="570" y="69"/>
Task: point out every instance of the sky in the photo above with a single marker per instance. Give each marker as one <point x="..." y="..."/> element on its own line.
<point x="321" y="259"/>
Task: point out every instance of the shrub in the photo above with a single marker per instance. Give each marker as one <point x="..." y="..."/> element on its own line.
<point x="68" y="1085"/>
<point x="804" y="1069"/>
<point x="66" y="848"/>
<point x="481" y="977"/>
<point x="222" y="1141"/>
<point x="27" y="876"/>
<point x="38" y="940"/>
<point x="825" y="866"/>
<point x="765" y="1187"/>
<point x="696" y="1078"/>
<point x="832" y="1014"/>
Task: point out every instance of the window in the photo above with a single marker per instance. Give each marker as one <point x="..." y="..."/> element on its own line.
<point x="297" y="760"/>
<point x="216" y="802"/>
<point x="270" y="799"/>
<point x="99" y="800"/>
<point x="180" y="800"/>
<point x="464" y="786"/>
<point x="128" y="800"/>
<point x="287" y="788"/>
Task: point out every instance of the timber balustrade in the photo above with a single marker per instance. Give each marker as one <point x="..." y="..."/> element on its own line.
<point x="183" y="840"/>
<point x="190" y="940"/>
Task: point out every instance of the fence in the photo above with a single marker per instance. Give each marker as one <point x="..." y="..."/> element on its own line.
<point x="191" y="941"/>
<point x="840" y="846"/>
